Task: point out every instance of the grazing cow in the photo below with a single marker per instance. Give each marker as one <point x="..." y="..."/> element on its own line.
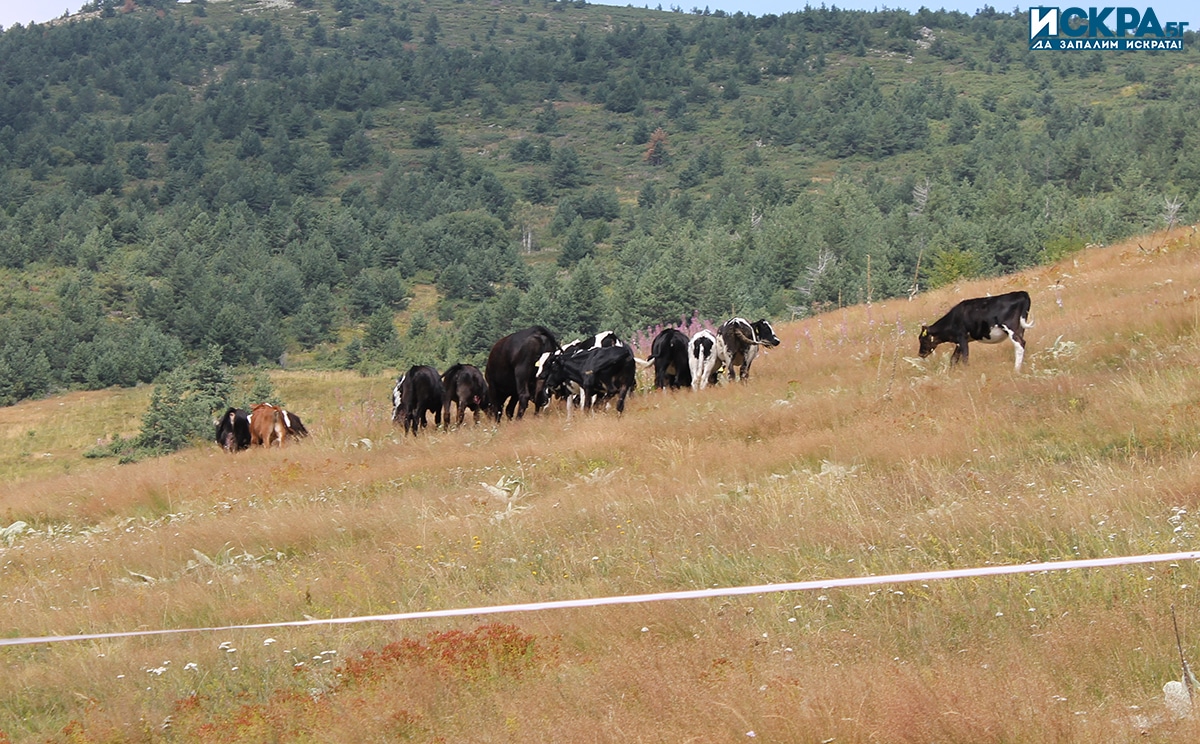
<point x="511" y="370"/>
<point x="702" y="359"/>
<point x="737" y="344"/>
<point x="598" y="373"/>
<point x="417" y="392"/>
<point x="233" y="430"/>
<point x="465" y="386"/>
<point x="602" y="340"/>
<point x="669" y="354"/>
<point x="268" y="425"/>
<point x="293" y="424"/>
<point x="986" y="319"/>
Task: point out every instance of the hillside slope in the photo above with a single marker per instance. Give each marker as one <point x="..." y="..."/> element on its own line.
<point x="285" y="180"/>
<point x="844" y="455"/>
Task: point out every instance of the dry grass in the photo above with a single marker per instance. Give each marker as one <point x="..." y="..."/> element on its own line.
<point x="844" y="455"/>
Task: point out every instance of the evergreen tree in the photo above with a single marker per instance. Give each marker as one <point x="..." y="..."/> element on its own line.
<point x="380" y="333"/>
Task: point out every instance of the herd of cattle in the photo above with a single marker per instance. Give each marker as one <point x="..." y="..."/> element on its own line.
<point x="530" y="365"/>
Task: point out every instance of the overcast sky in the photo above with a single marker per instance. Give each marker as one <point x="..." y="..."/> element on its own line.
<point x="24" y="11"/>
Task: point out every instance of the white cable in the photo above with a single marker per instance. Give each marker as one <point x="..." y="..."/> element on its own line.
<point x="563" y="604"/>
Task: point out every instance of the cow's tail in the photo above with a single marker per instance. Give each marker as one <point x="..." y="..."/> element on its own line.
<point x="1025" y="322"/>
<point x="746" y="340"/>
<point x="643" y="362"/>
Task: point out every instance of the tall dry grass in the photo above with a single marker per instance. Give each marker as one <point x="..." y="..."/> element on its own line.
<point x="844" y="455"/>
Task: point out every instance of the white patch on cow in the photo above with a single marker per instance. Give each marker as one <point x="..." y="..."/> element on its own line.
<point x="397" y="398"/>
<point x="997" y="334"/>
<point x="541" y="362"/>
<point x="286" y="420"/>
<point x="1001" y="332"/>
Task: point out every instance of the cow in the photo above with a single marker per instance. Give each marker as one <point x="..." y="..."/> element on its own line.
<point x="737" y="344"/>
<point x="295" y="427"/>
<point x="465" y="387"/>
<point x="270" y="423"/>
<point x="511" y="371"/>
<point x="669" y="355"/>
<point x="417" y="392"/>
<point x="987" y="319"/>
<point x="233" y="430"/>
<point x="598" y="373"/>
<point x="601" y="340"/>
<point x="702" y="359"/>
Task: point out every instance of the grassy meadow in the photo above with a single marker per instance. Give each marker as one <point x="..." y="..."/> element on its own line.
<point x="844" y="455"/>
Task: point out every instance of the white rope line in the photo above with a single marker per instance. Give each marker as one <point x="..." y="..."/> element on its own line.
<point x="797" y="586"/>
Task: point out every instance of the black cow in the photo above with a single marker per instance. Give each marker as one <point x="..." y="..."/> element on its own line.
<point x="465" y="387"/>
<point x="417" y="392"/>
<point x="669" y="354"/>
<point x="986" y="319"/>
<point x="511" y="370"/>
<point x="598" y="373"/>
<point x="737" y="344"/>
<point x="233" y="430"/>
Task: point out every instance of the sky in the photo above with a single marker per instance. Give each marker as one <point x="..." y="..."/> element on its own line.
<point x="24" y="11"/>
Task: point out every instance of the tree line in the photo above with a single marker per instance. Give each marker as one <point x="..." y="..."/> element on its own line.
<point x="175" y="181"/>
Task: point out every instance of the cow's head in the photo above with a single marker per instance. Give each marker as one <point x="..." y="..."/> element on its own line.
<point x="928" y="341"/>
<point x="552" y="379"/>
<point x="766" y="334"/>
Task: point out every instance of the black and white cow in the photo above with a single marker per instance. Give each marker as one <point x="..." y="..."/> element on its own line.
<point x="417" y="392"/>
<point x="233" y="430"/>
<point x="702" y="359"/>
<point x="466" y="388"/>
<point x="987" y="319"/>
<point x="606" y="372"/>
<point x="601" y="340"/>
<point x="669" y="355"/>
<point x="737" y="344"/>
<point x="511" y="370"/>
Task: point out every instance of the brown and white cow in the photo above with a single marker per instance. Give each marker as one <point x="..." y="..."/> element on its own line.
<point x="270" y="424"/>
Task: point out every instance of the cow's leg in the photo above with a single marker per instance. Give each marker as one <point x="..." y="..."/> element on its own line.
<point x="960" y="353"/>
<point x="1017" y="336"/>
